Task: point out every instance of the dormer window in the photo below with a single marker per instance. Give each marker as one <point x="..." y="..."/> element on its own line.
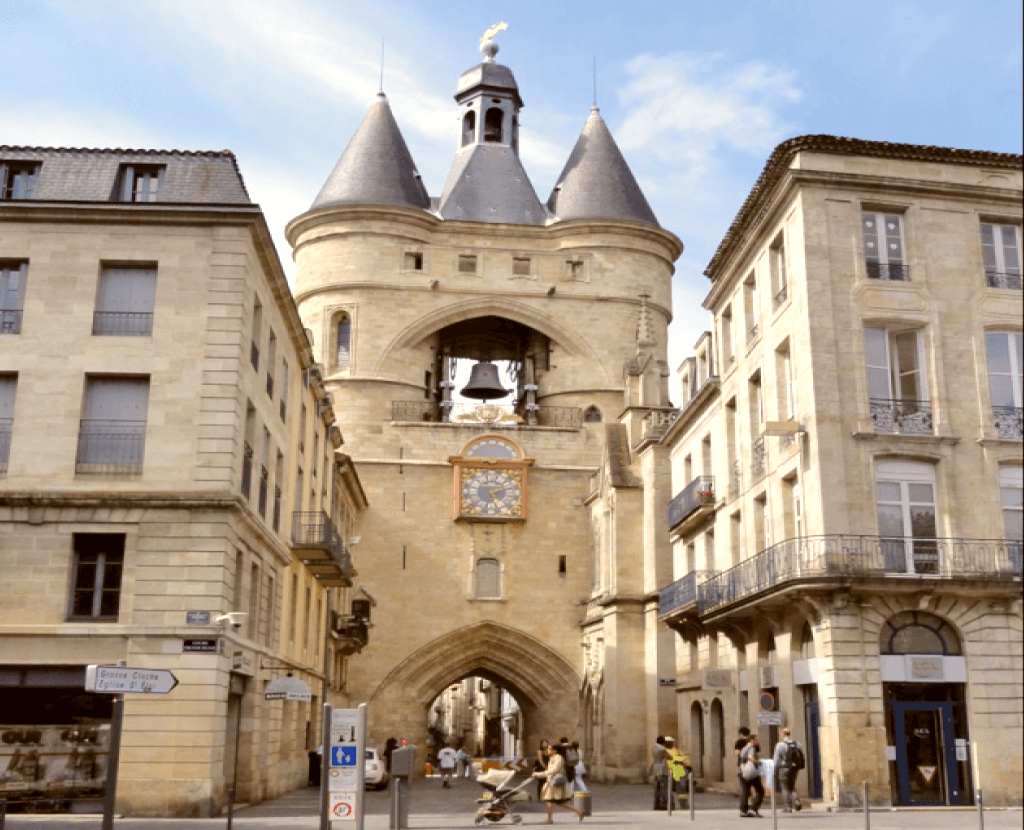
<point x="493" y="121"/>
<point x="139" y="182"/>
<point x="468" y="128"/>
<point x="18" y="179"/>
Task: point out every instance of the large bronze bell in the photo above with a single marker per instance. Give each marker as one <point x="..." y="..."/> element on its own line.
<point x="483" y="383"/>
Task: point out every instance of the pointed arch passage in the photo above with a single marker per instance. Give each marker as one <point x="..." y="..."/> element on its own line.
<point x="542" y="681"/>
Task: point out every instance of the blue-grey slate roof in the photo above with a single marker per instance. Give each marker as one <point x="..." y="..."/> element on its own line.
<point x="488" y="75"/>
<point x="596" y="182"/>
<point x="90" y="175"/>
<point x="487" y="183"/>
<point x="376" y="167"/>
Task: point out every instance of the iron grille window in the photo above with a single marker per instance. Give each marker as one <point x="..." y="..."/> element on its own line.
<point x="884" y="256"/>
<point x="8" y="390"/>
<point x="98" y="564"/>
<point x="5" y="442"/>
<point x="1000" y="245"/>
<point x="124" y="302"/>
<point x="112" y="433"/>
<point x="12" y="295"/>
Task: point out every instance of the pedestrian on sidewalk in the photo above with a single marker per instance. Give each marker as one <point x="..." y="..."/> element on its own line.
<point x="659" y="769"/>
<point x="556" y="790"/>
<point x="540" y="763"/>
<point x="750" y="779"/>
<point x="579" y="785"/>
<point x="789" y="760"/>
<point x="446" y="760"/>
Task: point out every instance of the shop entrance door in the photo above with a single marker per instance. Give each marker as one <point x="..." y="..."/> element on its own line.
<point x="927" y="763"/>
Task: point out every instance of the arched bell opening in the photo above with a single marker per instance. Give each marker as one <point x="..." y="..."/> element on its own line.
<point x="489" y="368"/>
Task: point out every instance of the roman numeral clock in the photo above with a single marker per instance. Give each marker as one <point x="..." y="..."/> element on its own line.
<point x="490" y="481"/>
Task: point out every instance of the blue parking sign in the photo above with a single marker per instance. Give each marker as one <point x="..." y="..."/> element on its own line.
<point x="344" y="756"/>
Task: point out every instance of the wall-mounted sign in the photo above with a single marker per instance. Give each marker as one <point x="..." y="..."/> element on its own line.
<point x="241" y="661"/>
<point x="288" y="688"/>
<point x="205" y="645"/>
<point x="197" y="618"/>
<point x="716" y="678"/>
<point x="767" y="702"/>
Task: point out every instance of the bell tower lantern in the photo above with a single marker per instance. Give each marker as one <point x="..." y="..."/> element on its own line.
<point x="490" y="102"/>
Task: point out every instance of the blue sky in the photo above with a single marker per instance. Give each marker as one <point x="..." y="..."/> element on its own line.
<point x="697" y="94"/>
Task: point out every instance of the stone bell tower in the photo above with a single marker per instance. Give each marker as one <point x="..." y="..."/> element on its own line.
<point x="480" y="545"/>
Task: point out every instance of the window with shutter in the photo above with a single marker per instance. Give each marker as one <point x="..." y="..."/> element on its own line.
<point x="124" y="302"/>
<point x="112" y="435"/>
<point x="18" y="179"/>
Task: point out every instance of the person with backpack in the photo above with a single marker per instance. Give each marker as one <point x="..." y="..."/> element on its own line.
<point x="572" y="758"/>
<point x="789" y="760"/>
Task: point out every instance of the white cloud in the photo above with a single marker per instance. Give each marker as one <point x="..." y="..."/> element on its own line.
<point x="684" y="107"/>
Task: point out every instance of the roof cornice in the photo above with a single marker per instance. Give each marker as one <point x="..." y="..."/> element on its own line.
<point x="759" y="199"/>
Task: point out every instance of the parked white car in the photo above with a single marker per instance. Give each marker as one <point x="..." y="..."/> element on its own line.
<point x="375" y="774"/>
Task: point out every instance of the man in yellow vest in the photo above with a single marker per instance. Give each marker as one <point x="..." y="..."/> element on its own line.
<point x="678" y="766"/>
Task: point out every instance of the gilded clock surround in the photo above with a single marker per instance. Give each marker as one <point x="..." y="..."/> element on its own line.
<point x="490" y="483"/>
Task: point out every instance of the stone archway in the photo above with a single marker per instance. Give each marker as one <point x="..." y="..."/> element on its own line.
<point x="542" y="681"/>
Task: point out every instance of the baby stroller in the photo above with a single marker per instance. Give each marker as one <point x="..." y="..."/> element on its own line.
<point x="498" y="802"/>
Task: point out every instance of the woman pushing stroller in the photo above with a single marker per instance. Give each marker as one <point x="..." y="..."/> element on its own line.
<point x="556" y="789"/>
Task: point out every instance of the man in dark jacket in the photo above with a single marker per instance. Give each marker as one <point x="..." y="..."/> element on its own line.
<point x="786" y="769"/>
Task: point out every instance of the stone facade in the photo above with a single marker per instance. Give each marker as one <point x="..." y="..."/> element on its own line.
<point x="128" y="525"/>
<point x="845" y="422"/>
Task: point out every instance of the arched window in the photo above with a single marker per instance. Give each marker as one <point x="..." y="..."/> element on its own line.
<point x="468" y="127"/>
<point x="488" y="579"/>
<point x="343" y="340"/>
<point x="592" y="415"/>
<point x="492" y="125"/>
<point x="918" y="632"/>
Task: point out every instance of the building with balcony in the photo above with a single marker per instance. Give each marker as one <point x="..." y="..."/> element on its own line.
<point x="168" y="454"/>
<point x="845" y="506"/>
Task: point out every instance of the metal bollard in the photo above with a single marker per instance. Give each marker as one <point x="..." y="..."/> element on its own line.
<point x="977" y="786"/>
<point x="867" y="809"/>
<point x="3" y="813"/>
<point x="689" y="796"/>
<point x="670" y="792"/>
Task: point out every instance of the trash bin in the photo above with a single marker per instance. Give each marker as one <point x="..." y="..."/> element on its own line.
<point x="581" y="802"/>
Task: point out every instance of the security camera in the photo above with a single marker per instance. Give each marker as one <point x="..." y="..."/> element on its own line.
<point x="235" y="618"/>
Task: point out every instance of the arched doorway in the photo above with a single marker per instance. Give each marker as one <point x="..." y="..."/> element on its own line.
<point x="697" y="738"/>
<point x="716" y="728"/>
<point x="922" y="668"/>
<point x="544" y="686"/>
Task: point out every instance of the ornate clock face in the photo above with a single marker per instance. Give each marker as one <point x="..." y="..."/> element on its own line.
<point x="492" y="494"/>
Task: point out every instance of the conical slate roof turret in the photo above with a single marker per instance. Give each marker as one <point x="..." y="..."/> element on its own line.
<point x="596" y="182"/>
<point x="376" y="167"/>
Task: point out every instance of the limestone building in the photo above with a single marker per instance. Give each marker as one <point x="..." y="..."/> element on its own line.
<point x="480" y="531"/>
<point x="167" y="456"/>
<point x="846" y="476"/>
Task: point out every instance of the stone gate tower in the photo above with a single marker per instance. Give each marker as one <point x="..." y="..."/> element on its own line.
<point x="482" y="545"/>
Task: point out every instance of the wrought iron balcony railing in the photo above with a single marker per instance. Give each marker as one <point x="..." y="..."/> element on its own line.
<point x="893" y="271"/>
<point x="1009" y="422"/>
<point x="5" y="442"/>
<point x="10" y="321"/>
<point x="842" y="556"/>
<point x="682" y="592"/>
<point x="110" y="447"/>
<point x="570" y="417"/>
<point x="313" y="534"/>
<point x="699" y="493"/>
<point x="902" y="416"/>
<point x="122" y="323"/>
<point x="1004" y="279"/>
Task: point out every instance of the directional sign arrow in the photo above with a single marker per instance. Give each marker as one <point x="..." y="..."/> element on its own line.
<point x="117" y="680"/>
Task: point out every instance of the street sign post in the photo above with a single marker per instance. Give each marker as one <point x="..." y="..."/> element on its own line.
<point x="343" y="771"/>
<point x="119" y="680"/>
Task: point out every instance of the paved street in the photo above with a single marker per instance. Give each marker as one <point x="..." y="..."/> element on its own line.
<point x="618" y="806"/>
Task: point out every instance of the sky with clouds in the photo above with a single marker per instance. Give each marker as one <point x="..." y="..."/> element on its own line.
<point x="697" y="94"/>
